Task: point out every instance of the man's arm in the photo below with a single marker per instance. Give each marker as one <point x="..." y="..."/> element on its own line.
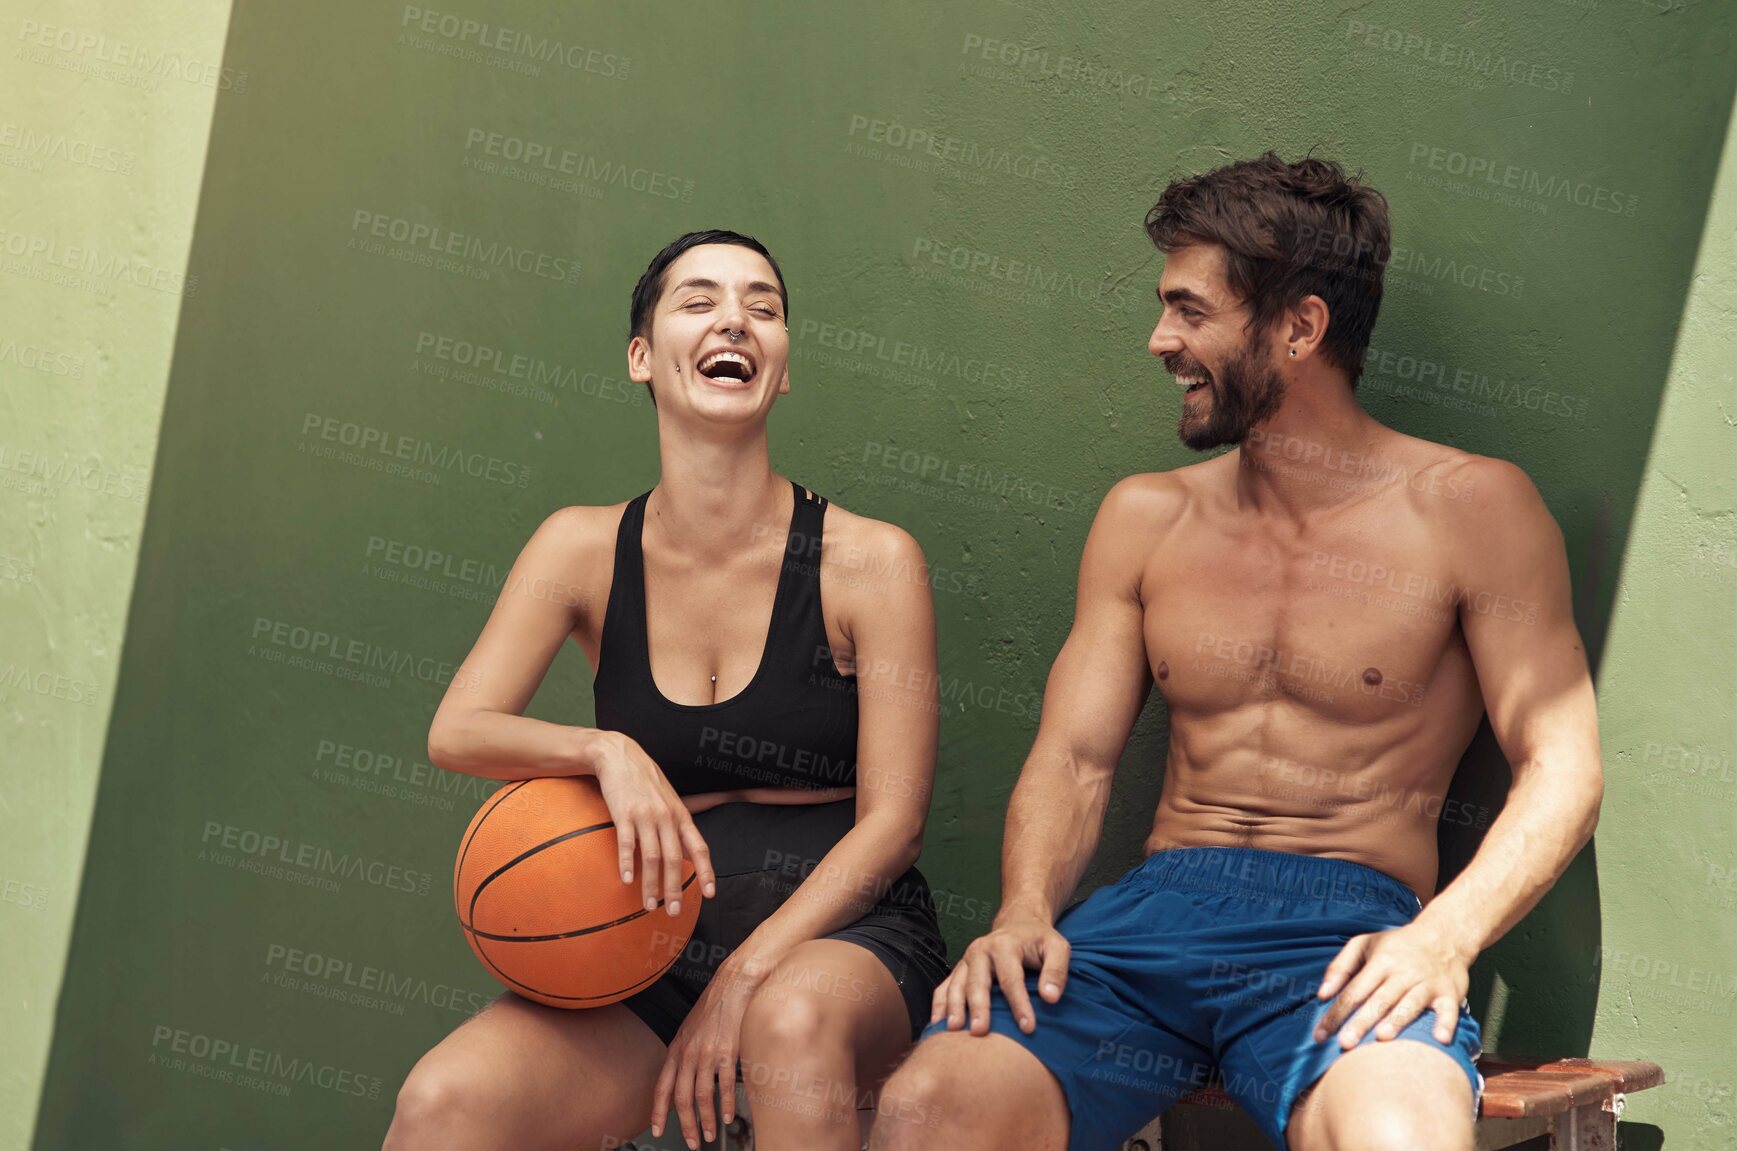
<point x="1096" y="689"/>
<point x="1516" y="612"/>
<point x="1539" y="695"/>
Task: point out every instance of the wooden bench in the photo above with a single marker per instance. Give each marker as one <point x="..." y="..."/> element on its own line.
<point x="1576" y="1102"/>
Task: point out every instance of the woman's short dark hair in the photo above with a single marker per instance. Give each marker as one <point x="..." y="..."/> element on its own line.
<point x="650" y="287"/>
<point x="1288" y="231"/>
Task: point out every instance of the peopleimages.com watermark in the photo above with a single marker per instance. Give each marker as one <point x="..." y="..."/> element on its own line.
<point x="26" y="147"/>
<point x="556" y="166"/>
<point x="86" y="268"/>
<point x="240" y="1063"/>
<point x="1453" y="385"/>
<point x="392" y="776"/>
<point x="36" y="358"/>
<point x="91" y="53"/>
<point x="1329" y="787"/>
<point x="306" y="864"/>
<point x="344" y="980"/>
<point x="498" y="46"/>
<point x="961" y="481"/>
<point x="18" y="893"/>
<point x="1454" y="62"/>
<point x="490" y="367"/>
<point x="38" y="473"/>
<point x="1705" y="773"/>
<point x="1429" y="592"/>
<point x="1282" y="669"/>
<point x="401" y="454"/>
<point x="459" y="253"/>
<point x="318" y="649"/>
<point x="962" y="266"/>
<point x="1039" y="69"/>
<point x="926" y="149"/>
<point x="1513" y="185"/>
<point x="885" y="356"/>
<point x="1670" y="979"/>
<point x="44" y="681"/>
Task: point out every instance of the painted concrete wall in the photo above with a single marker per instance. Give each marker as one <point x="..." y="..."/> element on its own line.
<point x="1668" y="840"/>
<point x="413" y="247"/>
<point x="105" y="111"/>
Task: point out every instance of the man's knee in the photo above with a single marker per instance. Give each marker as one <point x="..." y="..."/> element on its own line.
<point x="1386" y="1125"/>
<point x="1429" y="1111"/>
<point x="920" y="1104"/>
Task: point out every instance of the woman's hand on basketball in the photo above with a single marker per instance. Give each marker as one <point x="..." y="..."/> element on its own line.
<point x="699" y="1069"/>
<point x="1014" y="946"/>
<point x="651" y="817"/>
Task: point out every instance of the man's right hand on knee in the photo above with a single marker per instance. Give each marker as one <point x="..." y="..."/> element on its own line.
<point x="1015" y="944"/>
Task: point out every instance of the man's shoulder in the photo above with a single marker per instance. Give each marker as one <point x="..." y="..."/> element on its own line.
<point x="1486" y="510"/>
<point x="1477" y="485"/>
<point x="1148" y="496"/>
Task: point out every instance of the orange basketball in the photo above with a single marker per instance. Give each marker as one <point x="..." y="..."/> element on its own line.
<point x="541" y="901"/>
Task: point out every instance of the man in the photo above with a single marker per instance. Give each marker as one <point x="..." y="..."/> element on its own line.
<point x="1327" y="610"/>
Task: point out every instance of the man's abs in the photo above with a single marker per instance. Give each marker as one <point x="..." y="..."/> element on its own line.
<point x="1319" y="685"/>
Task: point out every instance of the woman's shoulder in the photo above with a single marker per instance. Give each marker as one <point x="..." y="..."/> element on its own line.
<point x="581" y="523"/>
<point x="867" y="551"/>
<point x="570" y="537"/>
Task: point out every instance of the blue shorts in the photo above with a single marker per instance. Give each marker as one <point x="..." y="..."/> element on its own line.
<point x="1202" y="958"/>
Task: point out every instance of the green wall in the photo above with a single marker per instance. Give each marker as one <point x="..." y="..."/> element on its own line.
<point x="403" y="347"/>
<point x="101" y="161"/>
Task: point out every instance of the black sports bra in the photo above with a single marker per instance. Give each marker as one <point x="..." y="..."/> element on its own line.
<point x="794" y="725"/>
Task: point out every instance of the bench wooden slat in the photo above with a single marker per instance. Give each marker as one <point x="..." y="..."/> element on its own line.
<point x="1543" y="1092"/>
<point x="1625" y="1074"/>
<point x="1514" y="1091"/>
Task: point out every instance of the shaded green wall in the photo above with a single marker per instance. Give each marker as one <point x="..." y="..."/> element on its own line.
<point x="405" y="349"/>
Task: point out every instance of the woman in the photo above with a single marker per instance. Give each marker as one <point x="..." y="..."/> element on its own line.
<point x="785" y="744"/>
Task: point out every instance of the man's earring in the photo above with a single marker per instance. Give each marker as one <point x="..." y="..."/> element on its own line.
<point x="1293" y="351"/>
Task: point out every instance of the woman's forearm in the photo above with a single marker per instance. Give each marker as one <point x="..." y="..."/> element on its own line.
<point x="496" y="745"/>
<point x="846" y="884"/>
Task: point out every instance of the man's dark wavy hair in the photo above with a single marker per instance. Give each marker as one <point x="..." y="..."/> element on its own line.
<point x="1288" y="231"/>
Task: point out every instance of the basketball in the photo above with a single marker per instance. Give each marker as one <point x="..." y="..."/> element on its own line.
<point x="540" y="898"/>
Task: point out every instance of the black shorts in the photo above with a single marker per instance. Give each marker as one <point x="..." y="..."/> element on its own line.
<point x="761" y="853"/>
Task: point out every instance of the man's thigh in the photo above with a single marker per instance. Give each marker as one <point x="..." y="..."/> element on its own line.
<point x="1275" y="1061"/>
<point x="1116" y="1065"/>
<point x="1397" y="1093"/>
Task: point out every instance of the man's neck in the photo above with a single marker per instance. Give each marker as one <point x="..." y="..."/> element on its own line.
<point x="1313" y="455"/>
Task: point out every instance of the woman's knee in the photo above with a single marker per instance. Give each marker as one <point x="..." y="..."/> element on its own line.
<point x="445" y="1104"/>
<point x="783" y="1017"/>
<point x="430" y="1108"/>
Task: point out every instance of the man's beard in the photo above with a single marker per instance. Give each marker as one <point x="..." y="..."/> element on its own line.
<point x="1242" y="395"/>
